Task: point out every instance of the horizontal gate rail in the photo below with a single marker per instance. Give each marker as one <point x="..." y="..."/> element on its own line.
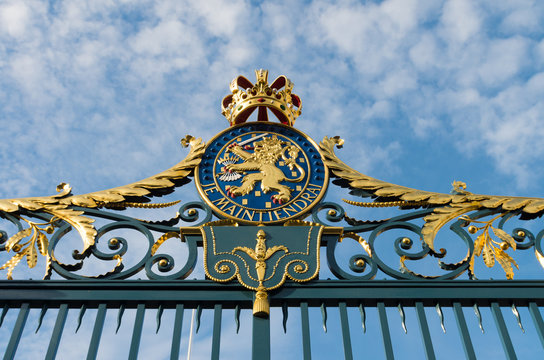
<point x="343" y="295"/>
<point x="329" y="292"/>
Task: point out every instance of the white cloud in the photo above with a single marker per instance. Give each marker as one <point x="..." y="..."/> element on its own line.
<point x="423" y="127"/>
<point x="504" y="59"/>
<point x="461" y="21"/>
<point x="14" y="18"/>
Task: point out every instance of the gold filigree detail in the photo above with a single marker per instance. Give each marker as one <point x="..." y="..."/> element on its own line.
<point x="359" y="239"/>
<point x="205" y="245"/>
<point x="491" y="249"/>
<point x="37" y="242"/>
<point x="447" y="207"/>
<point x="162" y="239"/>
<point x="223" y="269"/>
<point x="60" y="205"/>
<point x="385" y="203"/>
<point x="260" y="254"/>
<point x="127" y="204"/>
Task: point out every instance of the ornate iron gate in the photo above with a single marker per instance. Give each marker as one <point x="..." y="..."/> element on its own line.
<point x="261" y="235"/>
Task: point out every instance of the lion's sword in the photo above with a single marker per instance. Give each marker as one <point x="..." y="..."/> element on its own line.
<point x="250" y="140"/>
<point x="235" y="175"/>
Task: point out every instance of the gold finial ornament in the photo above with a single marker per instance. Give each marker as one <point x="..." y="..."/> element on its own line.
<point x="246" y="97"/>
<point x="260" y="254"/>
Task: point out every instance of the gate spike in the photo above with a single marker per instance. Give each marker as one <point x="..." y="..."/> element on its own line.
<point x="518" y="317"/>
<point x="42" y="314"/>
<point x="324" y="316"/>
<point x="4" y="312"/>
<point x="477" y="312"/>
<point x="159" y="316"/>
<point x="120" y="316"/>
<point x="402" y="318"/>
<point x="363" y="317"/>
<point x="285" y="311"/>
<point x="441" y="316"/>
<point x="237" y="317"/>
<point x="198" y="314"/>
<point x="80" y="316"/>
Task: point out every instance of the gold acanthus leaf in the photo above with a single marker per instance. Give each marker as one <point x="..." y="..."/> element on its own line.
<point x="447" y="206"/>
<point x="60" y="205"/>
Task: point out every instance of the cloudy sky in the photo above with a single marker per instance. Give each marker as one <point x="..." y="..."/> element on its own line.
<point x="98" y="93"/>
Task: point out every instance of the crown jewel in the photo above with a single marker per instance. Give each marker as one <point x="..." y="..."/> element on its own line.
<point x="246" y="97"/>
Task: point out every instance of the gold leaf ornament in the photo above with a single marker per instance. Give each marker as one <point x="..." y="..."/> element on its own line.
<point x="506" y="262"/>
<point x="43" y="244"/>
<point x="15" y="239"/>
<point x="504" y="236"/>
<point x="479" y="244"/>
<point x="488" y="255"/>
<point x="11" y="264"/>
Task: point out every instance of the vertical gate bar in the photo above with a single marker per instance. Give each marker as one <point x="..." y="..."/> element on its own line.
<point x="137" y="332"/>
<point x="346" y="338"/>
<point x="97" y="332"/>
<point x="261" y="339"/>
<point x="176" y="336"/>
<point x="57" y="332"/>
<point x="305" y="320"/>
<point x="537" y="319"/>
<point x="17" y="332"/>
<point x="463" y="330"/>
<point x="216" y="338"/>
<point x="425" y="334"/>
<point x="388" y="346"/>
<point x="503" y="331"/>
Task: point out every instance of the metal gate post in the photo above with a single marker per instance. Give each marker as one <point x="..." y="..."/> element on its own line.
<point x="261" y="339"/>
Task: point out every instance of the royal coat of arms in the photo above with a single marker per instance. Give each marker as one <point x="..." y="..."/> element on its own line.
<point x="261" y="173"/>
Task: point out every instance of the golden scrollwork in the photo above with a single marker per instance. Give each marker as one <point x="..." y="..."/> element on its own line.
<point x="260" y="254"/>
<point x="60" y="206"/>
<point x="446" y="207"/>
<point x="162" y="239"/>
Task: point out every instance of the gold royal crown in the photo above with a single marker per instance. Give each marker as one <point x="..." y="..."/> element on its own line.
<point x="246" y="97"/>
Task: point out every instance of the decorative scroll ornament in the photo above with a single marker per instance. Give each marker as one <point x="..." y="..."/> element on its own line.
<point x="60" y="208"/>
<point x="445" y="207"/>
<point x="261" y="258"/>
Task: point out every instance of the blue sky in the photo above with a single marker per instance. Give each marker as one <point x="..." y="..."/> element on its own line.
<point x="98" y="93"/>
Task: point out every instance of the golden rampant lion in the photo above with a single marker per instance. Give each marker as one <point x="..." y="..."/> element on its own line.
<point x="266" y="153"/>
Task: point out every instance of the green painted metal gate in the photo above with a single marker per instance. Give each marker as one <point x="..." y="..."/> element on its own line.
<point x="152" y="298"/>
<point x="263" y="237"/>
